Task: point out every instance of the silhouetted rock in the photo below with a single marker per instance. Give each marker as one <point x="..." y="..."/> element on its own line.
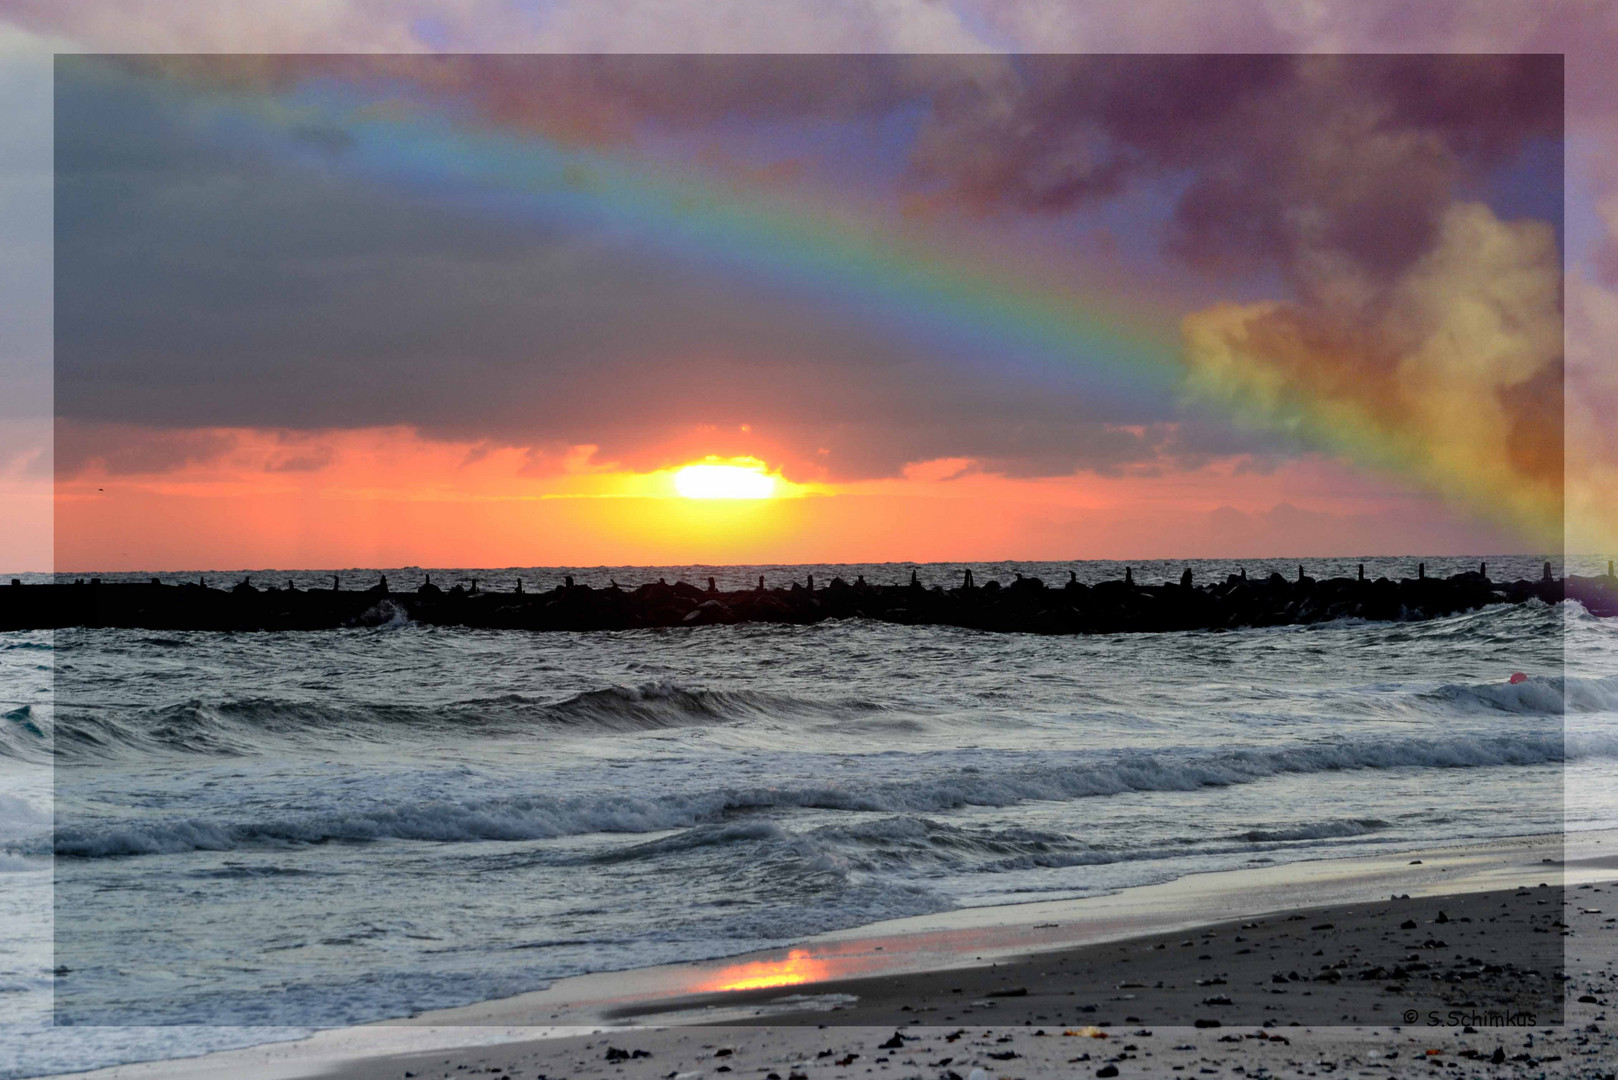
<point x="1025" y="606"/>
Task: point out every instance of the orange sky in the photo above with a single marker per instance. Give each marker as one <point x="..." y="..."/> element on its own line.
<point x="388" y="497"/>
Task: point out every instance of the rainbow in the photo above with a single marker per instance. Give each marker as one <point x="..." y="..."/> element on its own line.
<point x="948" y="290"/>
<point x="915" y="284"/>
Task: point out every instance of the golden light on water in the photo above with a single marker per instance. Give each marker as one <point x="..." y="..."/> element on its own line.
<point x="743" y="478"/>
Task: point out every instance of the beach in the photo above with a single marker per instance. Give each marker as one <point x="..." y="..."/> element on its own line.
<point x="950" y="560"/>
<point x="239" y="839"/>
<point x="957" y="561"/>
<point x="1471" y="962"/>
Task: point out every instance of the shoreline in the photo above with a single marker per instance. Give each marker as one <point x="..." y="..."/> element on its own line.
<point x="974" y="936"/>
<point x="893" y="967"/>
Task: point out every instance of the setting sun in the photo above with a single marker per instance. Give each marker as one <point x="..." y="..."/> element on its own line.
<point x="747" y="480"/>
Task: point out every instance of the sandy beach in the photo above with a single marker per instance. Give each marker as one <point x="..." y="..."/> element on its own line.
<point x="1492" y="960"/>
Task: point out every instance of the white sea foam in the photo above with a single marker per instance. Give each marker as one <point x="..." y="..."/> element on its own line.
<point x="1544" y="695"/>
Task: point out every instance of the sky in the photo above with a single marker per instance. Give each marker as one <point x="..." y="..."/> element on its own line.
<point x="349" y="310"/>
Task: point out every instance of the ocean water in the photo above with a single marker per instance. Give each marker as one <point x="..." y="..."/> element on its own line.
<point x="253" y="835"/>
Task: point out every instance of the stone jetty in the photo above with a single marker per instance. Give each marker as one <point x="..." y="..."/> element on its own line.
<point x="1025" y="605"/>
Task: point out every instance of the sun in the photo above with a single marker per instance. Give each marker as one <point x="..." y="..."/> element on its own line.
<point x="744" y="480"/>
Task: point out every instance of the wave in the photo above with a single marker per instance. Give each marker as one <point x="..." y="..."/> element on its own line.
<point x="1536" y="696"/>
<point x="244" y="726"/>
<point x="255" y="725"/>
<point x="539" y="817"/>
<point x="666" y="704"/>
<point x="910" y="843"/>
<point x="691" y="839"/>
<point x="384" y="615"/>
<point x="1316" y="830"/>
<point x="11" y="863"/>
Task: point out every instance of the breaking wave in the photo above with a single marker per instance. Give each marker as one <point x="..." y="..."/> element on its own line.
<point x="1536" y="696"/>
<point x="253" y="725"/>
<point x="540" y="817"/>
<point x="1317" y="830"/>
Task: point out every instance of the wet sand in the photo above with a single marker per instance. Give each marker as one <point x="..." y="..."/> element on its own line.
<point x="1496" y="952"/>
<point x="1132" y="1029"/>
<point x="1005" y="1036"/>
<point x="1486" y="982"/>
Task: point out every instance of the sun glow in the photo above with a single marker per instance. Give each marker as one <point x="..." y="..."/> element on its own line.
<point x="743" y="478"/>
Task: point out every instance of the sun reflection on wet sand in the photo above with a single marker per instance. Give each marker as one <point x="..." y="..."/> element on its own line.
<point x="854" y="959"/>
<point x="798" y="967"/>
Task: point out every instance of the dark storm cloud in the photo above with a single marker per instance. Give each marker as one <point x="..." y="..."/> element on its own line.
<point x="1284" y="158"/>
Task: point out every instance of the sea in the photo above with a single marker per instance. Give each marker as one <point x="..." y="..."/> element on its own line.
<point x="217" y="839"/>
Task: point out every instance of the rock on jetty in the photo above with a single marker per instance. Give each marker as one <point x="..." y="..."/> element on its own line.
<point x="1026" y="605"/>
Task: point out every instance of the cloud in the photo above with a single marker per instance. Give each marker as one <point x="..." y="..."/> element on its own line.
<point x="1583" y="35"/>
<point x="203" y="286"/>
<point x="1592" y="403"/>
<point x="132" y="450"/>
<point x="493" y="26"/>
<point x="1452" y="374"/>
<point x="1340" y="175"/>
<point x="1275" y="156"/>
<point x="314" y="461"/>
<point x="1283" y="158"/>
